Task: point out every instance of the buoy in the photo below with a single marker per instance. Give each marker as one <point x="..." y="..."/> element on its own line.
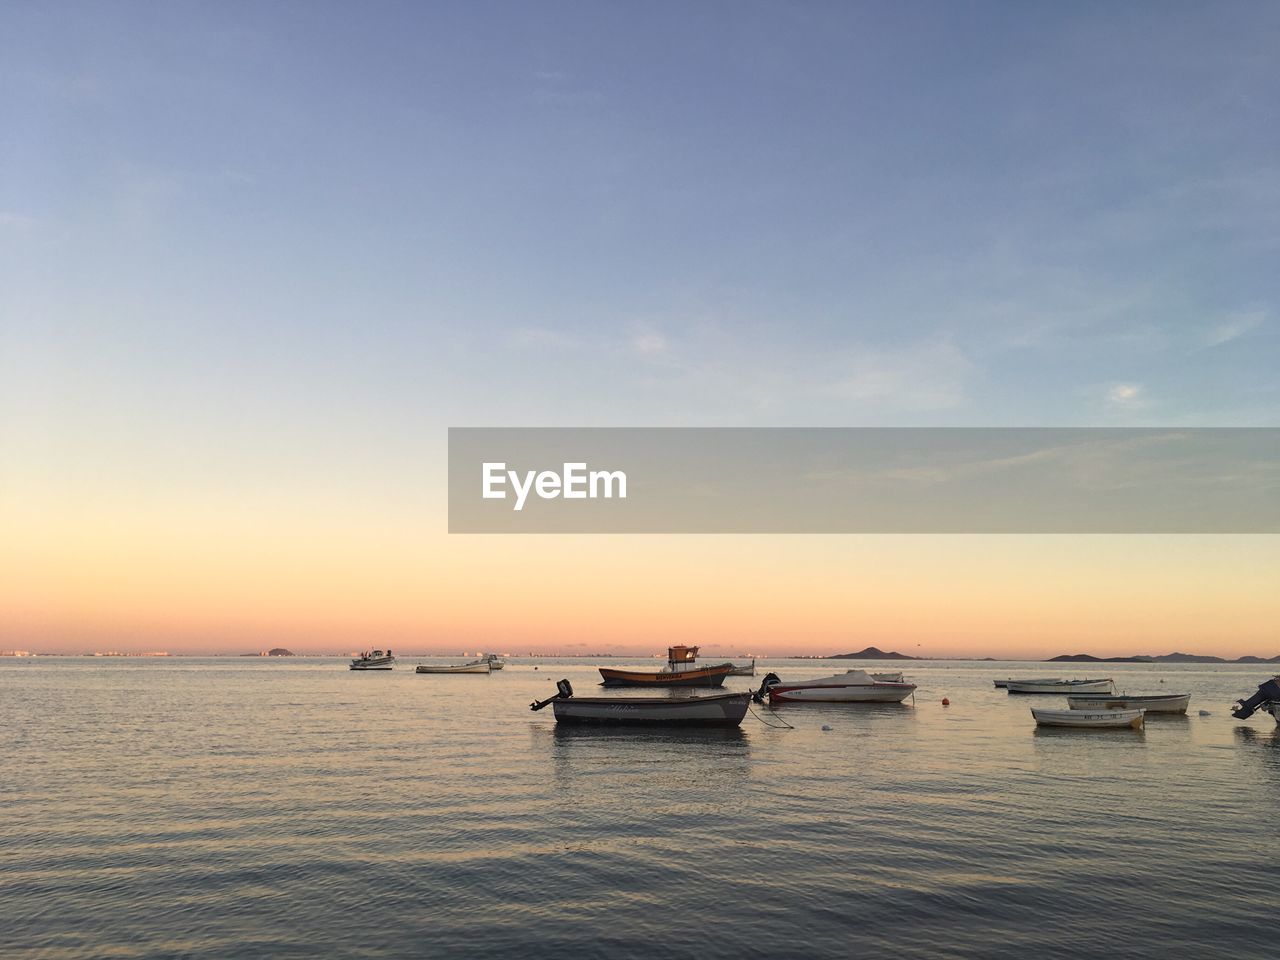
<point x="946" y="702"/>
<point x="1205" y="713"/>
<point x="825" y="727"/>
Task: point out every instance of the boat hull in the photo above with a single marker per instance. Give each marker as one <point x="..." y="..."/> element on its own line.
<point x="855" y="686"/>
<point x="1061" y="688"/>
<point x="460" y="668"/>
<point x="1090" y="719"/>
<point x="1002" y="684"/>
<point x="1168" y="703"/>
<point x="721" y="710"/>
<point x="700" y="677"/>
<point x="362" y="667"/>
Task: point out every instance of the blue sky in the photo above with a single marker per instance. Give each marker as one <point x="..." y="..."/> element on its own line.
<point x="268" y="226"/>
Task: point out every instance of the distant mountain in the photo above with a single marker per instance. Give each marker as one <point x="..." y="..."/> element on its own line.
<point x="872" y="653"/>
<point x="1165" y="658"/>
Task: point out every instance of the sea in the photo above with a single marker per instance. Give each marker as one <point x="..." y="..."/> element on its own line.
<point x="288" y="807"/>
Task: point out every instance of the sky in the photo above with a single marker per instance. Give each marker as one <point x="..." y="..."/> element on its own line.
<point x="255" y="258"/>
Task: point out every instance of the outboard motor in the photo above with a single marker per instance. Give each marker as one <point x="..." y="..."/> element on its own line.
<point x="770" y="679"/>
<point x="1267" y="693"/>
<point x="566" y="691"/>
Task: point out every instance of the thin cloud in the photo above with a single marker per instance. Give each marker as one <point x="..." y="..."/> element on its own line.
<point x="1234" y="326"/>
<point x="1125" y="394"/>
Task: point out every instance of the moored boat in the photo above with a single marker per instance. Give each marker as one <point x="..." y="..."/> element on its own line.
<point x="714" y="710"/>
<point x="1089" y="719"/>
<point x="1060" y="686"/>
<point x="854" y="686"/>
<point x="494" y="661"/>
<point x="1152" y="703"/>
<point x="681" y="671"/>
<point x="373" y="660"/>
<point x="1001" y="684"/>
<point x="1267" y="698"/>
<point x="744" y="670"/>
<point x="476" y="666"/>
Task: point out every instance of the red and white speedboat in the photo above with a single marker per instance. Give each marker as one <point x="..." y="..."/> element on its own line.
<point x="855" y="686"/>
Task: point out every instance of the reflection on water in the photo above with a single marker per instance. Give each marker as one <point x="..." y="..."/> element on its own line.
<point x="221" y="808"/>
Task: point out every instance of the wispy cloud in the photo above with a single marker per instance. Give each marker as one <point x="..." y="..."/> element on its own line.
<point x="1234" y="326"/>
<point x="929" y="375"/>
<point x="1125" y="394"/>
<point x="648" y="341"/>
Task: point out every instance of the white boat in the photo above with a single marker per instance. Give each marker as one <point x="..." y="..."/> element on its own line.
<point x="494" y="661"/>
<point x="714" y="710"/>
<point x="1090" y="719"/>
<point x="476" y="666"/>
<point x="1152" y="703"/>
<point x="377" y="660"/>
<point x="854" y="686"/>
<point x="744" y="670"/>
<point x="1001" y="684"/>
<point x="1060" y="686"/>
<point x="894" y="677"/>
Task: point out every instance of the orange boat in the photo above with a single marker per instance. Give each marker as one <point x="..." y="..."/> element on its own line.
<point x="681" y="671"/>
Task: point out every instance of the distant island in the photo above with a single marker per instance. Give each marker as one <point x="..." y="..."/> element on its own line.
<point x="872" y="653"/>
<point x="1166" y="658"/>
<point x="273" y="652"/>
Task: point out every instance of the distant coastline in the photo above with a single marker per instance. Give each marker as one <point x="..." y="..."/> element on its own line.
<point x="1164" y="658"/>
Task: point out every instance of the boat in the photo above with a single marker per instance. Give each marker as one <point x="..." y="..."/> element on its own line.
<point x="1267" y="699"/>
<point x="1089" y="719"/>
<point x="1001" y="684"/>
<point x="744" y="670"/>
<point x="714" y="710"/>
<point x="375" y="660"/>
<point x="680" y="671"/>
<point x="1060" y="686"/>
<point x="1152" y="703"/>
<point x="894" y="677"/>
<point x="495" y="662"/>
<point x="853" y="686"/>
<point x="475" y="666"/>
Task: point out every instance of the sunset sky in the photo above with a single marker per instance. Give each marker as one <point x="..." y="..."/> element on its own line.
<point x="255" y="259"/>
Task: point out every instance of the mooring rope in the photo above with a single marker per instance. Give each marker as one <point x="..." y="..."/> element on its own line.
<point x="783" y="725"/>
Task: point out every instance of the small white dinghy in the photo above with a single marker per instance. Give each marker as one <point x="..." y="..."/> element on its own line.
<point x="1089" y="719"/>
<point x="1059" y="686"/>
<point x="1002" y="684"/>
<point x="1152" y="703"/>
<point x="479" y="666"/>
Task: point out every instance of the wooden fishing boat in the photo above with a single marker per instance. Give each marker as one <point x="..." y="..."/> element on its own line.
<point x="1152" y="703"/>
<point x="375" y="660"/>
<point x="1060" y="687"/>
<point x="476" y="666"/>
<point x="854" y="686"/>
<point x="1089" y="719"/>
<point x="681" y="671"/>
<point x="715" y="710"/>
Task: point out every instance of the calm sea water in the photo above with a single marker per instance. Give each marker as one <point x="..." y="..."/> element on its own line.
<point x="218" y="808"/>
